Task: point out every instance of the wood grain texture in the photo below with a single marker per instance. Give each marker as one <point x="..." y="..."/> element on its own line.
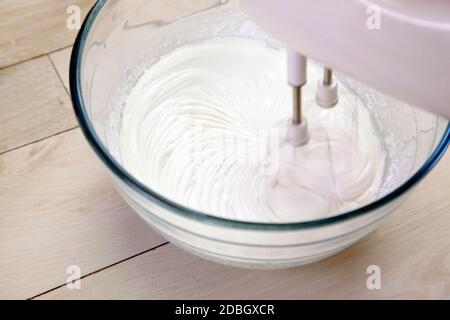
<point x="412" y="248"/>
<point x="58" y="208"/>
<point x="32" y="28"/>
<point x="34" y="104"/>
<point x="61" y="62"/>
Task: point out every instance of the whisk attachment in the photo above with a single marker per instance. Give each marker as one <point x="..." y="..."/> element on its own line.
<point x="297" y="129"/>
<point x="327" y="90"/>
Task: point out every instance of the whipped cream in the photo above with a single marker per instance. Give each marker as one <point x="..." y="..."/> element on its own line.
<point x="206" y="127"/>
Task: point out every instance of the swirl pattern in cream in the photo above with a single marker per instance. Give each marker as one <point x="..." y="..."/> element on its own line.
<point x="205" y="127"/>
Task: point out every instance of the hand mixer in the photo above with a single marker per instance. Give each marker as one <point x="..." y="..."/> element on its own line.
<point x="407" y="54"/>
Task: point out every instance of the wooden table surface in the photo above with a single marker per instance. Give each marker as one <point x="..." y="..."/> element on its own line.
<point x="58" y="207"/>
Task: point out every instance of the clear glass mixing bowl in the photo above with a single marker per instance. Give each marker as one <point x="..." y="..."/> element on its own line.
<point x="119" y="38"/>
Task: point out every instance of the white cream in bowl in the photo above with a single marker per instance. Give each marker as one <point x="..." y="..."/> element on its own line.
<point x="205" y="127"/>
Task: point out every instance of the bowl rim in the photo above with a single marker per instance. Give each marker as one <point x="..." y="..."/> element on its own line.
<point x="102" y="152"/>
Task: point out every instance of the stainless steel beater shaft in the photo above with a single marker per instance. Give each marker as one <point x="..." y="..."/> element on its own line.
<point x="297" y="103"/>
<point x="327" y="76"/>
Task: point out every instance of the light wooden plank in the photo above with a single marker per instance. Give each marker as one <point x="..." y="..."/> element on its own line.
<point x="32" y="28"/>
<point x="61" y="61"/>
<point x="412" y="248"/>
<point x="58" y="208"/>
<point x="34" y="104"/>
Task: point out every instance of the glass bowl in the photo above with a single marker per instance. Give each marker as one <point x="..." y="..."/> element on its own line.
<point x="119" y="39"/>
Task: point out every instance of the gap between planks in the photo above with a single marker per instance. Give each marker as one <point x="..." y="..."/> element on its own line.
<point x="101" y="269"/>
<point x="59" y="75"/>
<point x="35" y="57"/>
